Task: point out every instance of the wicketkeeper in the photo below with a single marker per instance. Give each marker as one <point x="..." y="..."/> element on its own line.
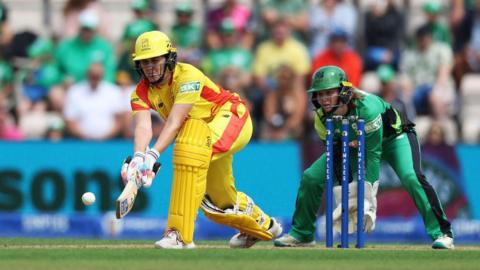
<point x="389" y="136"/>
<point x="208" y="125"/>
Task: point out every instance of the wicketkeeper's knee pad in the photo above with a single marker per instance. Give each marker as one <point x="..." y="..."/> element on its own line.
<point x="244" y="216"/>
<point x="191" y="158"/>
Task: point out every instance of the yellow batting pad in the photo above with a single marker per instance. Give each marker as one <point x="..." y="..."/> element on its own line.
<point x="191" y="158"/>
<point x="245" y="216"/>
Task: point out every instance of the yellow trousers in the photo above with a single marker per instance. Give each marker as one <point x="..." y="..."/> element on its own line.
<point x="203" y="156"/>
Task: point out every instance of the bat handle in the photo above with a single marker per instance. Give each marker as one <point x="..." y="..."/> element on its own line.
<point x="156" y="167"/>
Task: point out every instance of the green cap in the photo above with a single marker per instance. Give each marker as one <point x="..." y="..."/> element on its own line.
<point x="41" y="46"/>
<point x="139" y="4"/>
<point x="328" y="77"/>
<point x="227" y="26"/>
<point x="385" y="73"/>
<point x="432" y="7"/>
<point x="184" y="7"/>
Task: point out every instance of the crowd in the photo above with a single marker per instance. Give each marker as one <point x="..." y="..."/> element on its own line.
<point x="77" y="82"/>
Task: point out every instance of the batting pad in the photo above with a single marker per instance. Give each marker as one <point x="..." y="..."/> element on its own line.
<point x="191" y="158"/>
<point x="245" y="216"/>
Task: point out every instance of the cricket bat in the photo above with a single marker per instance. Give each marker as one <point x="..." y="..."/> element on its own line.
<point x="125" y="201"/>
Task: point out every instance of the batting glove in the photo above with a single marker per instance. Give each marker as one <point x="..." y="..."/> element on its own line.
<point x="147" y="169"/>
<point x="123" y="171"/>
<point x="133" y="169"/>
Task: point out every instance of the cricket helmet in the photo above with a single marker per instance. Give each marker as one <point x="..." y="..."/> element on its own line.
<point x="152" y="44"/>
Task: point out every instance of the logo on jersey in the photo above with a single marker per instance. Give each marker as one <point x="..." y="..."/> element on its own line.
<point x="373" y="125"/>
<point x="190" y="87"/>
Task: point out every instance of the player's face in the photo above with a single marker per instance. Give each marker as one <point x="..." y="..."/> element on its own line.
<point x="153" y="68"/>
<point x="327" y="99"/>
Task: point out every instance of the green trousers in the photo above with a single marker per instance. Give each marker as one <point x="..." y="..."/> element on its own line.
<point x="403" y="154"/>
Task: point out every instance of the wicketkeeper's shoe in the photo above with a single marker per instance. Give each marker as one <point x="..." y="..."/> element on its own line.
<point x="289" y="241"/>
<point x="172" y="240"/>
<point x="443" y="242"/>
<point x="243" y="240"/>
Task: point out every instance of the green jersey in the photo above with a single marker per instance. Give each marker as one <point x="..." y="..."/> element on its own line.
<point x="187" y="36"/>
<point x="6" y="74"/>
<point x="382" y="122"/>
<point x="136" y="28"/>
<point x="441" y="32"/>
<point x="74" y="57"/>
<point x="218" y="60"/>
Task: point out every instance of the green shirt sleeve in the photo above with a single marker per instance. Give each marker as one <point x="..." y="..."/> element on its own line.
<point x="371" y="109"/>
<point x="373" y="148"/>
<point x="319" y="126"/>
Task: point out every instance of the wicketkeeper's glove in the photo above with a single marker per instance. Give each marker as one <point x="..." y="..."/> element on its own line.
<point x="370" y="207"/>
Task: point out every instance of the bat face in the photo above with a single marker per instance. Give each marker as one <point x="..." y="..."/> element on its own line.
<point x="126" y="200"/>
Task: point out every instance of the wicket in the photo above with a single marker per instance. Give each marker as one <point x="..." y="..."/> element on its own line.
<point x="345" y="123"/>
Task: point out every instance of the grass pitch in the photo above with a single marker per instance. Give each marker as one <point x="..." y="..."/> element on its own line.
<point x="16" y="253"/>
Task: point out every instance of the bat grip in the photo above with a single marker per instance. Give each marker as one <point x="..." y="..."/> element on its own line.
<point x="156" y="167"/>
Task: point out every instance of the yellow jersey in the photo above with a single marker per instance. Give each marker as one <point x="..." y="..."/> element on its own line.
<point x="188" y="85"/>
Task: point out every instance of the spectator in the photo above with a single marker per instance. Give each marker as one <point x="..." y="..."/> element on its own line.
<point x="141" y="22"/>
<point x="94" y="108"/>
<point x="71" y="16"/>
<point x="281" y="49"/>
<point x="384" y="34"/>
<point x="5" y="31"/>
<point x="8" y="130"/>
<point x="429" y="67"/>
<point x="230" y="65"/>
<point x="126" y="72"/>
<point x="37" y="121"/>
<point x="229" y="54"/>
<point x="6" y="80"/>
<point x="468" y="58"/>
<point x="74" y="56"/>
<point x="284" y="109"/>
<point x="240" y="16"/>
<point x="436" y="136"/>
<point x="43" y="72"/>
<point x="328" y="16"/>
<point x="339" y="54"/>
<point x="187" y="35"/>
<point x="440" y="31"/>
<point x="391" y="92"/>
<point x="461" y="22"/>
<point x="295" y="12"/>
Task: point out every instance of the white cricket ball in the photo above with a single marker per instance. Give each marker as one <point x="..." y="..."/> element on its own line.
<point x="88" y="198"/>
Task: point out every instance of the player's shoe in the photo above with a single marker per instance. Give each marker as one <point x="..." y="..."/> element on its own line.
<point x="289" y="241"/>
<point x="172" y="240"/>
<point x="243" y="240"/>
<point x="443" y="242"/>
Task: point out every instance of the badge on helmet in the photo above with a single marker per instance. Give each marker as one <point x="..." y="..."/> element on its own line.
<point x="152" y="44"/>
